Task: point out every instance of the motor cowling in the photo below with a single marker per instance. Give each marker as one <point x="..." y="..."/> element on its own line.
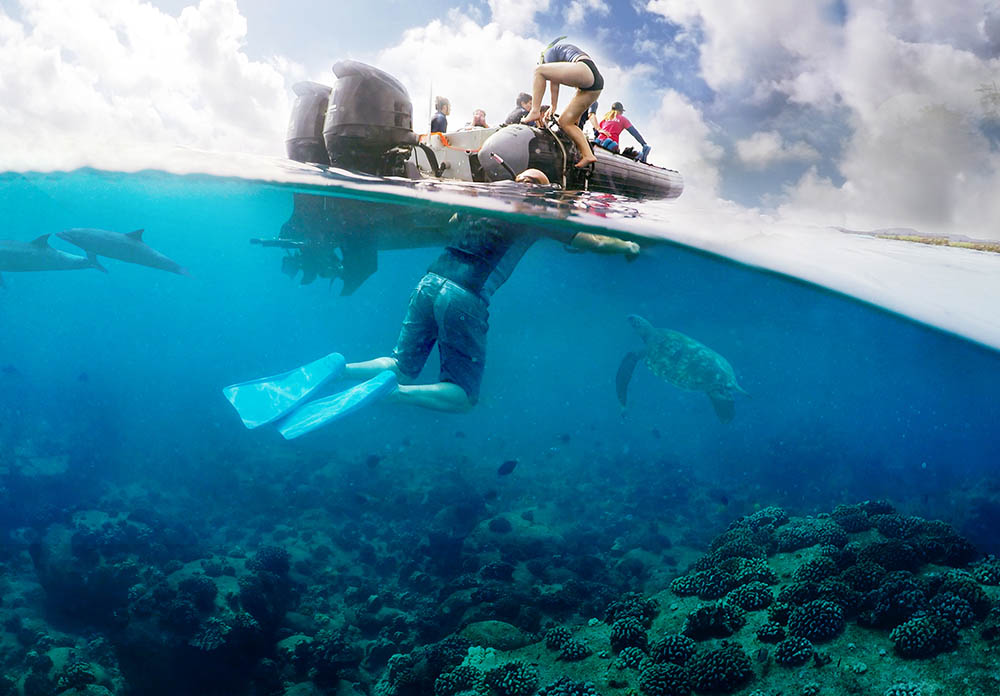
<point x="521" y="147"/>
<point x="304" y="141"/>
<point x="369" y="114"/>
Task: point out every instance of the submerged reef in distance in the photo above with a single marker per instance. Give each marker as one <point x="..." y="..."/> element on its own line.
<point x="441" y="589"/>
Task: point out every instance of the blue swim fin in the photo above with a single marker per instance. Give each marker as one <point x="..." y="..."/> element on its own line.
<point x="320" y="412"/>
<point x="267" y="399"/>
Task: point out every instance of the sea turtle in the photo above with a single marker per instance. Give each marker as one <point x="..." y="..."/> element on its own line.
<point x="685" y="363"/>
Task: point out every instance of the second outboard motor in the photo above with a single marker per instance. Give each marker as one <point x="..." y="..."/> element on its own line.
<point x="304" y="142"/>
<point x="521" y="147"/>
<point x="369" y="123"/>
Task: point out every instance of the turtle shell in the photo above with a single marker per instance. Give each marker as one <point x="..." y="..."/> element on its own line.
<point x="688" y="364"/>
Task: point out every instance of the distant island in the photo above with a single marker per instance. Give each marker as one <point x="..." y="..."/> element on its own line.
<point x="907" y="234"/>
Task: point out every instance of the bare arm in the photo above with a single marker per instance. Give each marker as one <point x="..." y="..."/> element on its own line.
<point x="602" y="244"/>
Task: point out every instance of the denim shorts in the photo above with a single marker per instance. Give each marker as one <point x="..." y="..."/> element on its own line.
<point x="444" y="312"/>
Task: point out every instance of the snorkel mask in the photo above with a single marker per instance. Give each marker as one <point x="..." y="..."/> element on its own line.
<point x="541" y="57"/>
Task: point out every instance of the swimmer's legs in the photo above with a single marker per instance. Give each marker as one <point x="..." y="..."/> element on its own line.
<point x="443" y="396"/>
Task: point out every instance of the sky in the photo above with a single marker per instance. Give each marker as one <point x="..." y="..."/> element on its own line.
<point x="863" y="114"/>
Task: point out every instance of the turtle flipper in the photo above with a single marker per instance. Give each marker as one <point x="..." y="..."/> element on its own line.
<point x="625" y="371"/>
<point x="725" y="409"/>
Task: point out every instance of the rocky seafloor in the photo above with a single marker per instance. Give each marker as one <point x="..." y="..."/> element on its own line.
<point x="301" y="579"/>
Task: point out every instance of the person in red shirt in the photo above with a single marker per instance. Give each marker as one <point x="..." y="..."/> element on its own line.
<point x="610" y="129"/>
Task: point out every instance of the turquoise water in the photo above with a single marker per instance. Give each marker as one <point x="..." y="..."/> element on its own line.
<point x="836" y="386"/>
<point x="122" y="373"/>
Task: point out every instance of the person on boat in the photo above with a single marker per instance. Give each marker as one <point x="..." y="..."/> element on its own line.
<point x="610" y="129"/>
<point x="590" y="117"/>
<point x="522" y="106"/>
<point x="478" y="120"/>
<point x="449" y="307"/>
<point x="566" y="64"/>
<point x="439" y="122"/>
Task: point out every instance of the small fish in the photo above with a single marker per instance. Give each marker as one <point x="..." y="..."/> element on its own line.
<point x="459" y="434"/>
<point x="762" y="655"/>
<point x="83" y="377"/>
<point x="719" y="497"/>
<point x="10" y="370"/>
<point x="507" y="468"/>
<point x="372" y="460"/>
<point x="564" y="438"/>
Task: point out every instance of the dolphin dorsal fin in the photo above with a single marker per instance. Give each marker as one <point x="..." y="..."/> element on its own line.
<point x="135" y="234"/>
<point x="42" y="242"/>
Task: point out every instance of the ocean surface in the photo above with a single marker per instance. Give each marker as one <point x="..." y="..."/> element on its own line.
<point x="123" y="468"/>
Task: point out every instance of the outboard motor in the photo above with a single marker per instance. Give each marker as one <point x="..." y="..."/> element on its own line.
<point x="369" y="122"/>
<point x="521" y="147"/>
<point x="304" y="142"/>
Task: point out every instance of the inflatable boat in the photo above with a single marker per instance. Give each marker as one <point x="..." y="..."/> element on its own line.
<point x="365" y="123"/>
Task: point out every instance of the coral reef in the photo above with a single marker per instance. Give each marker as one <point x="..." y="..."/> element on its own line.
<point x="818" y="620"/>
<point x="512" y="679"/>
<point x="793" y="651"/>
<point x="486" y="592"/>
<point x="714" y="621"/>
<point x="675" y="648"/>
<point x="722" y="670"/>
<point x="664" y="680"/>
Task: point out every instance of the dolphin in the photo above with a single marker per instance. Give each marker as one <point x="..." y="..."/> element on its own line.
<point x="37" y="255"/>
<point x="127" y="247"/>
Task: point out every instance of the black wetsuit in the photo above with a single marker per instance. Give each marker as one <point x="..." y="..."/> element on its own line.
<point x="439" y="124"/>
<point x="515" y="116"/>
<point x="568" y="53"/>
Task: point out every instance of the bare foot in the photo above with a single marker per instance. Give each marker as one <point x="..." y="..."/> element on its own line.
<point x="585" y="161"/>
<point x="532" y="116"/>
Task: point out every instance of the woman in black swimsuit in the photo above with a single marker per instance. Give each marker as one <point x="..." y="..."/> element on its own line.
<point x="565" y="64"/>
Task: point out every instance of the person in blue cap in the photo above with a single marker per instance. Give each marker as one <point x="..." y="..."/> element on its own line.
<point x="610" y="128"/>
<point x="566" y="64"/>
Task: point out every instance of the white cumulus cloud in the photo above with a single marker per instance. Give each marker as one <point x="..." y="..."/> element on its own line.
<point x="901" y="79"/>
<point x="764" y="148"/>
<point x="517" y="15"/>
<point x="81" y="80"/>
<point x="582" y="11"/>
<point x="683" y="140"/>
<point x="476" y="66"/>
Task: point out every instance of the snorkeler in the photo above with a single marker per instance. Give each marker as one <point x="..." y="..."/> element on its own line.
<point x="449" y="307"/>
<point x="565" y="64"/>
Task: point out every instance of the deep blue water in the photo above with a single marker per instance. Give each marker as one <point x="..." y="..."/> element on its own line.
<point x="151" y="537"/>
<point x="125" y="369"/>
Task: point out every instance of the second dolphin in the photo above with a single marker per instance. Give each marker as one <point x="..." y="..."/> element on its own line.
<point x="127" y="247"/>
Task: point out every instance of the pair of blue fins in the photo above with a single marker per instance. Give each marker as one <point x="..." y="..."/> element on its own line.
<point x="284" y="399"/>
